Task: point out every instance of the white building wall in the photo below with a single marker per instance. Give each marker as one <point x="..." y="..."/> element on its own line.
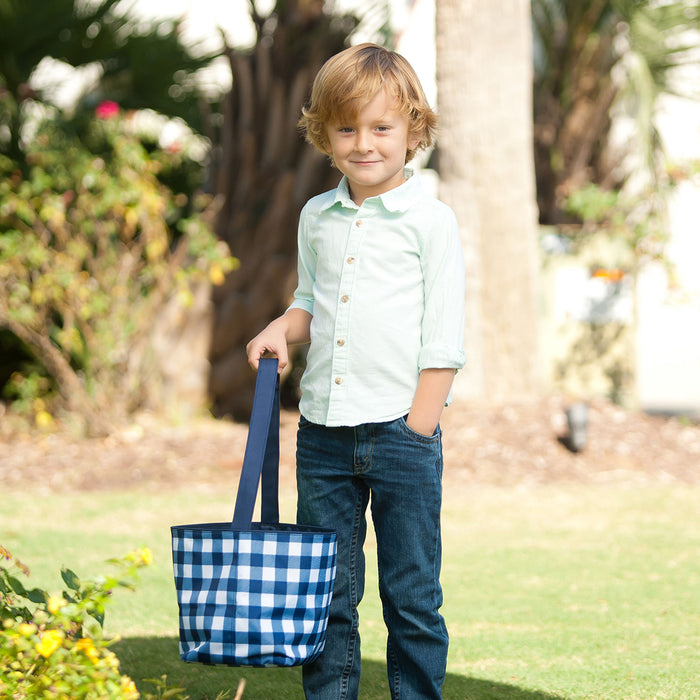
<point x="668" y="336"/>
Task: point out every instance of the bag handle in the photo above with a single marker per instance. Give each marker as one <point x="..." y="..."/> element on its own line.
<point x="261" y="452"/>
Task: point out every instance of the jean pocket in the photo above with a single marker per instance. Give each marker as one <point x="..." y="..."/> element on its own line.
<point x="415" y="435"/>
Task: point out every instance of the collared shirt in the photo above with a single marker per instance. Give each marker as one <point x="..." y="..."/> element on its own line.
<point x="384" y="283"/>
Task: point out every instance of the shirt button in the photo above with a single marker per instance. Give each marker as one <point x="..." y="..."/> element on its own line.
<point x="350" y="260"/>
<point x="340" y="342"/>
<point x="338" y="380"/>
<point x="345" y="298"/>
<point x="359" y="223"/>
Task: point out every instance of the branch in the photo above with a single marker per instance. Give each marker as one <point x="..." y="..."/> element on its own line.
<point x="69" y="385"/>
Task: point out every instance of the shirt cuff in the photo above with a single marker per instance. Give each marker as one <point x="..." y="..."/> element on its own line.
<point x="440" y="357"/>
<point x="305" y="305"/>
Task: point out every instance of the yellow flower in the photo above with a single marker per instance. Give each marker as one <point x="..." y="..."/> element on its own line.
<point x="50" y="641"/>
<point x="128" y="687"/>
<point x="111" y="659"/>
<point x="56" y="602"/>
<point x="88" y="648"/>
<point x="146" y="556"/>
<point x="26" y="630"/>
<point x="128" y="684"/>
<point x="43" y="420"/>
<point x="216" y="275"/>
<point x="155" y="248"/>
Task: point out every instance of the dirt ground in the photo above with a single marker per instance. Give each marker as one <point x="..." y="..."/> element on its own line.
<point x="490" y="445"/>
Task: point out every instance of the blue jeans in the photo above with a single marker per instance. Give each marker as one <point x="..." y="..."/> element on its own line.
<point x="338" y="470"/>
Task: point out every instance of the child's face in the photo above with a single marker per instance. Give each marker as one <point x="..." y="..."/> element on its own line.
<point x="370" y="149"/>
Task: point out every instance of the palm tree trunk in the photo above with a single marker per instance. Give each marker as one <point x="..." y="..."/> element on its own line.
<point x="266" y="173"/>
<point x="487" y="175"/>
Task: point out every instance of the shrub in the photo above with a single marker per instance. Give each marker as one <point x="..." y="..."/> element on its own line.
<point x="51" y="646"/>
<point x="93" y="243"/>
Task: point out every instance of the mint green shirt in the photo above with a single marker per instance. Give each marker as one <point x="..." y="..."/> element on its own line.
<point x="384" y="283"/>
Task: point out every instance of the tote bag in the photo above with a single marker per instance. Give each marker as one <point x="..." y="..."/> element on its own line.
<point x="254" y="594"/>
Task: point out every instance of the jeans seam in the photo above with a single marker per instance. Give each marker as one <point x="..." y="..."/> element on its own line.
<point x="396" y="673"/>
<point x="439" y="467"/>
<point x="347" y="670"/>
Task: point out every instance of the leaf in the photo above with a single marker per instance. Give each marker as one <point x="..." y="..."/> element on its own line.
<point x="37" y="595"/>
<point x="91" y="627"/>
<point x="17" y="586"/>
<point x="70" y="579"/>
<point x="100" y="617"/>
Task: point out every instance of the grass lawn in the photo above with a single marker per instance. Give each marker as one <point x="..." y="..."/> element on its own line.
<point x="566" y="591"/>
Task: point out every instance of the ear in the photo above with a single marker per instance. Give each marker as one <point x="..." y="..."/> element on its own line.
<point x="413" y="141"/>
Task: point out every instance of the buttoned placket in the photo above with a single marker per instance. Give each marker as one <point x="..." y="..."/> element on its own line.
<point x="339" y="362"/>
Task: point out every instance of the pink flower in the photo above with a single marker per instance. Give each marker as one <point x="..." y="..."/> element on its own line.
<point x="107" y="110"/>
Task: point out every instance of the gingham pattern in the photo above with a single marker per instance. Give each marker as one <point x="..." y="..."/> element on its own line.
<point x="253" y="598"/>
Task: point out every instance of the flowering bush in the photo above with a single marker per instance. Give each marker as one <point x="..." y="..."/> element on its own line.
<point x="51" y="646"/>
<point x="100" y="228"/>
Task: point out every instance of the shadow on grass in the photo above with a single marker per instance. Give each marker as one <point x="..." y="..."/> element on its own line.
<point x="152" y="657"/>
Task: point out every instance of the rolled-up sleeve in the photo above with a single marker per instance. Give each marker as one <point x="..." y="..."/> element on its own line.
<point x="442" y="339"/>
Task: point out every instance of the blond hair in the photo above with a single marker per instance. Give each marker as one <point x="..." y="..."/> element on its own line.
<point x="350" y="79"/>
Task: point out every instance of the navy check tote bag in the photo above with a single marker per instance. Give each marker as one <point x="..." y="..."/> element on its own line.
<point x="254" y="594"/>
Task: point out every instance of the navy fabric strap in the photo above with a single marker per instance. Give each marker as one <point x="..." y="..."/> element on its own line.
<point x="262" y="451"/>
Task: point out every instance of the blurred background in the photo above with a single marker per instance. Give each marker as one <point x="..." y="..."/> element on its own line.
<point x="151" y="175"/>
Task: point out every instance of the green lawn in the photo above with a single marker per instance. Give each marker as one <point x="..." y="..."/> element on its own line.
<point x="550" y="592"/>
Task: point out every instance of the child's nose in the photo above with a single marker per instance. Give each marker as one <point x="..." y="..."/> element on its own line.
<point x="363" y="142"/>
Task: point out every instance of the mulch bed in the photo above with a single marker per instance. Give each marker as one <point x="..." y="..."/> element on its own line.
<point x="510" y="445"/>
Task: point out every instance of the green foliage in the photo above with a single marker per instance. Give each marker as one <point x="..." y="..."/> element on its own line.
<point x="144" y="65"/>
<point x="595" y="61"/>
<point x="30" y="30"/>
<point x="617" y="236"/>
<point x="51" y="646"/>
<point x="26" y="388"/>
<point x="92" y="242"/>
<point x="153" y="69"/>
<point x="99" y="225"/>
<point x="571" y="35"/>
<point x="78" y="33"/>
<point x="636" y="223"/>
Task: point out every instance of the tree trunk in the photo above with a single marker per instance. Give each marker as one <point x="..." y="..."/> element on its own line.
<point x="266" y="173"/>
<point x="484" y="72"/>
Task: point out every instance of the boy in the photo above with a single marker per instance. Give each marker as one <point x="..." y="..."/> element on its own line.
<point x="380" y="298"/>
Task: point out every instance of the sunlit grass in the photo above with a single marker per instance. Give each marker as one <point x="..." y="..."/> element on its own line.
<point x="550" y="592"/>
